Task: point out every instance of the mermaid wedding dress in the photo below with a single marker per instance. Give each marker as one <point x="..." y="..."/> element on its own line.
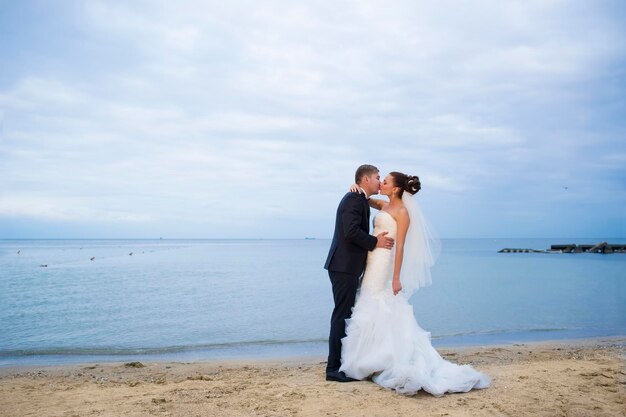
<point x="383" y="339"/>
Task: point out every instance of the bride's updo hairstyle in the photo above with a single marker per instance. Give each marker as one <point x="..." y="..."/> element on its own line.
<point x="409" y="183"/>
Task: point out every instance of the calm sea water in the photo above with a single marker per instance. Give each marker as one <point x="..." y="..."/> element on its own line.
<point x="201" y="299"/>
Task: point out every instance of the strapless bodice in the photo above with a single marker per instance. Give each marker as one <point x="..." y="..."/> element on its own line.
<point x="384" y="222"/>
<point x="379" y="267"/>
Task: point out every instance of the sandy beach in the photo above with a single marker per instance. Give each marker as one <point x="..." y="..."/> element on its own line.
<point x="572" y="378"/>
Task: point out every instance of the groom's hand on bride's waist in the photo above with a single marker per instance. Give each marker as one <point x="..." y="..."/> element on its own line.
<point x="383" y="241"/>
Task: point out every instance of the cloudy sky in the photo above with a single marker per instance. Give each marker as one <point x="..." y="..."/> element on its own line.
<point x="209" y="119"/>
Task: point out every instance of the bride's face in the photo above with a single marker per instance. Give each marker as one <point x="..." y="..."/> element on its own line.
<point x="387" y="186"/>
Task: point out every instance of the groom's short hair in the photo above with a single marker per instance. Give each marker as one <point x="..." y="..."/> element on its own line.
<point x="364" y="170"/>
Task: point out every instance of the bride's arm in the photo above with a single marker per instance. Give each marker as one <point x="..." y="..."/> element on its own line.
<point x="376" y="203"/>
<point x="402" y="220"/>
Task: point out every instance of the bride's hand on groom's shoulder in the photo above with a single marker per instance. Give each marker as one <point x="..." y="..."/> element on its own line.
<point x="354" y="188"/>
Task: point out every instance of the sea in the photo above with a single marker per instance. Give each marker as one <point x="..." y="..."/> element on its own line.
<point x="77" y="301"/>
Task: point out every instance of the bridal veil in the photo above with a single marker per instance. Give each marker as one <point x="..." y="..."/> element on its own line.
<point x="421" y="249"/>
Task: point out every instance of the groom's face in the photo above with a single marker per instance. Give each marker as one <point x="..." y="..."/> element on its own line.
<point x="372" y="183"/>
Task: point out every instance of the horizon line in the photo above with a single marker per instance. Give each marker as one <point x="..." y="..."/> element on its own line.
<point x="285" y="238"/>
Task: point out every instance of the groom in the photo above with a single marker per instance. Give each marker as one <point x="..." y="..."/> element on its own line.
<point x="346" y="259"/>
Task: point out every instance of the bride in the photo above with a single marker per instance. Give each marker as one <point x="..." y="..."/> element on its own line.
<point x="383" y="339"/>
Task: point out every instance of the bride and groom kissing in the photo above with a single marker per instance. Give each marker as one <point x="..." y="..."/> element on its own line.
<point x="373" y="330"/>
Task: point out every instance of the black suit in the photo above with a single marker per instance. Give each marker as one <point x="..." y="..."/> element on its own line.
<point x="345" y="264"/>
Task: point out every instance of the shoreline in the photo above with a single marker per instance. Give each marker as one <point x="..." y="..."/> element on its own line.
<point x="267" y="352"/>
<point x="563" y="377"/>
<point x="585" y="342"/>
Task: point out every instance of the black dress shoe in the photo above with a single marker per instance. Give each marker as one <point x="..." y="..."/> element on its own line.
<point x="338" y="377"/>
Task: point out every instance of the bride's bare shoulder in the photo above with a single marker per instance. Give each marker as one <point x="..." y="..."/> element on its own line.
<point x="399" y="213"/>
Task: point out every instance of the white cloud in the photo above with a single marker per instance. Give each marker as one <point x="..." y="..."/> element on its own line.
<point x="64" y="209"/>
<point x="32" y="93"/>
<point x="162" y="110"/>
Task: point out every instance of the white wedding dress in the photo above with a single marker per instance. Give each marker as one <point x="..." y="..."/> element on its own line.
<point x="383" y="339"/>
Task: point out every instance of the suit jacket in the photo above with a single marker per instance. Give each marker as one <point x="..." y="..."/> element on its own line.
<point x="351" y="240"/>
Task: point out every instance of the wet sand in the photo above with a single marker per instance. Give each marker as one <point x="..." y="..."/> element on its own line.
<point x="572" y="378"/>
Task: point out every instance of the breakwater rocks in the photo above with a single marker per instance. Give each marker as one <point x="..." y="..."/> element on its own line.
<point x="602" y="247"/>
